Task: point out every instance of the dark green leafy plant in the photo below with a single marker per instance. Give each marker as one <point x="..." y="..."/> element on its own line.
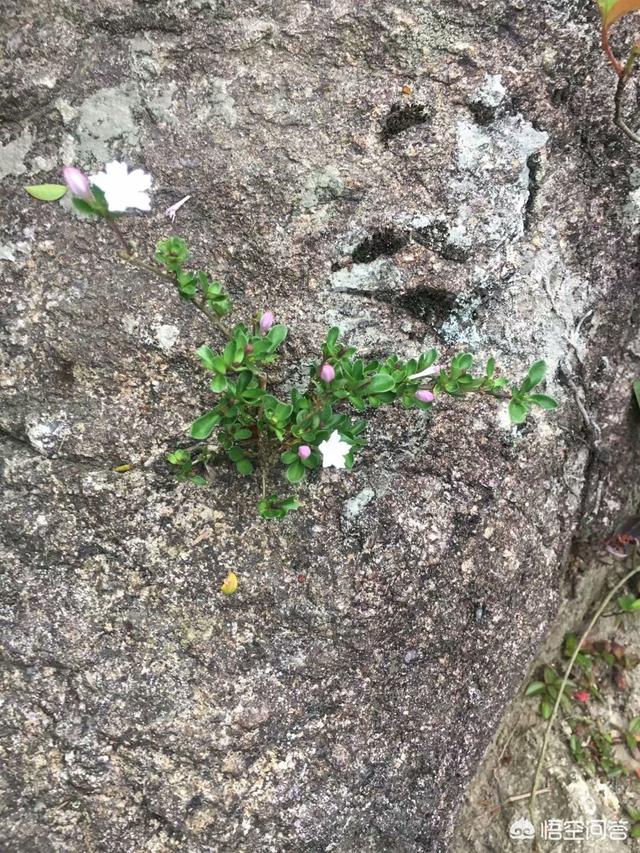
<point x="249" y="425"/>
<point x="257" y="430"/>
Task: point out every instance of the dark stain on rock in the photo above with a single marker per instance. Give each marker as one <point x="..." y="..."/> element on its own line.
<point x="436" y="237"/>
<point x="401" y="117"/>
<point x="427" y="304"/>
<point x="386" y="241"/>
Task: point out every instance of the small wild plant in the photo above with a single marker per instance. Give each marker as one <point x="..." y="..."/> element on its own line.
<point x="319" y="425"/>
<point x="612" y="11"/>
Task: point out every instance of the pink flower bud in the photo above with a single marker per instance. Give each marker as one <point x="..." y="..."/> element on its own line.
<point x="266" y="322"/>
<point x="327" y="373"/>
<point x="425" y="396"/>
<point x="77" y="181"/>
<point x="304" y="451"/>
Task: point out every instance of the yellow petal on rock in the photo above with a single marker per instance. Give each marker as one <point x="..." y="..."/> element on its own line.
<point x="230" y="584"/>
<point x="122" y="469"/>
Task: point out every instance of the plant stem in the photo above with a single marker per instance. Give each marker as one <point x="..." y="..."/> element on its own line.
<point x="610" y="55"/>
<point x="143" y="265"/>
<point x="624" y="74"/>
<point x="545" y="743"/>
<point x="261" y="452"/>
<point x="119" y="235"/>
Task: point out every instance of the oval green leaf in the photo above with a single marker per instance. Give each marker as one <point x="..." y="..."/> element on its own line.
<point x="379" y="383"/>
<point x="517" y="412"/>
<point x="203" y="426"/>
<point x="295" y="472"/>
<point x="47" y="192"/>
<point x="544" y="401"/>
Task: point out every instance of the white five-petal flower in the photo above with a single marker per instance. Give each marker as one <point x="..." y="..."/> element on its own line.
<point x="123" y="189"/>
<point x="334" y="451"/>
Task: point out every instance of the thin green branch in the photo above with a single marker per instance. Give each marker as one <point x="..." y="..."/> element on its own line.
<point x="213" y="318"/>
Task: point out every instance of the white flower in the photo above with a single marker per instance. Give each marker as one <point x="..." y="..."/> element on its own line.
<point x="170" y="212"/>
<point x="334" y="451"/>
<point x="123" y="189"/>
<point x="434" y="370"/>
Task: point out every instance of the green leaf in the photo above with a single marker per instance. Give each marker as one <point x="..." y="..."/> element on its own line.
<point x="636" y="391"/>
<point x="379" y="384"/>
<point x="535" y="688"/>
<point x="332" y="339"/>
<point x="543" y="401"/>
<point x="245" y="467"/>
<point x="276" y="336"/>
<point x="628" y="603"/>
<point x="83" y="206"/>
<point x="207" y="357"/>
<point x="611" y="10"/>
<point x="204" y="425"/>
<point x="546" y="709"/>
<point x="490" y="368"/>
<point x="464" y="361"/>
<point x="536" y="373"/>
<point x="635" y="831"/>
<point x="549" y="675"/>
<point x="242" y="434"/>
<point x="570" y="644"/>
<point x="218" y="384"/>
<point x="517" y="412"/>
<point x="47" y="192"/>
<point x="274" y="507"/>
<point x="179" y="457"/>
<point x="295" y="471"/>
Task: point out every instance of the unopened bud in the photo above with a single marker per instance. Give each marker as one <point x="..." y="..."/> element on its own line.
<point x="304" y="451"/>
<point x="266" y="322"/>
<point x="77" y="181"/>
<point x="327" y="373"/>
<point x="425" y="396"/>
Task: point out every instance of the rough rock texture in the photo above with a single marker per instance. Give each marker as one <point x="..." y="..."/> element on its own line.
<point x="342" y="699"/>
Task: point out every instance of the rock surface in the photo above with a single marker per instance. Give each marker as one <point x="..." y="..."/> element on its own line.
<point x="343" y="697"/>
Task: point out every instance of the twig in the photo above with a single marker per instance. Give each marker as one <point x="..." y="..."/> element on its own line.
<point x="517" y="797"/>
<point x="567" y="674"/>
<point x="610" y="55"/>
<point x="119" y="235"/>
<point x="623" y="78"/>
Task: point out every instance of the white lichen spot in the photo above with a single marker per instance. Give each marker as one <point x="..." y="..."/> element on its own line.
<point x="492" y="92"/>
<point x="8" y="252"/>
<point x="356" y="504"/>
<point x="166" y="336"/>
<point x="13" y="153"/>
